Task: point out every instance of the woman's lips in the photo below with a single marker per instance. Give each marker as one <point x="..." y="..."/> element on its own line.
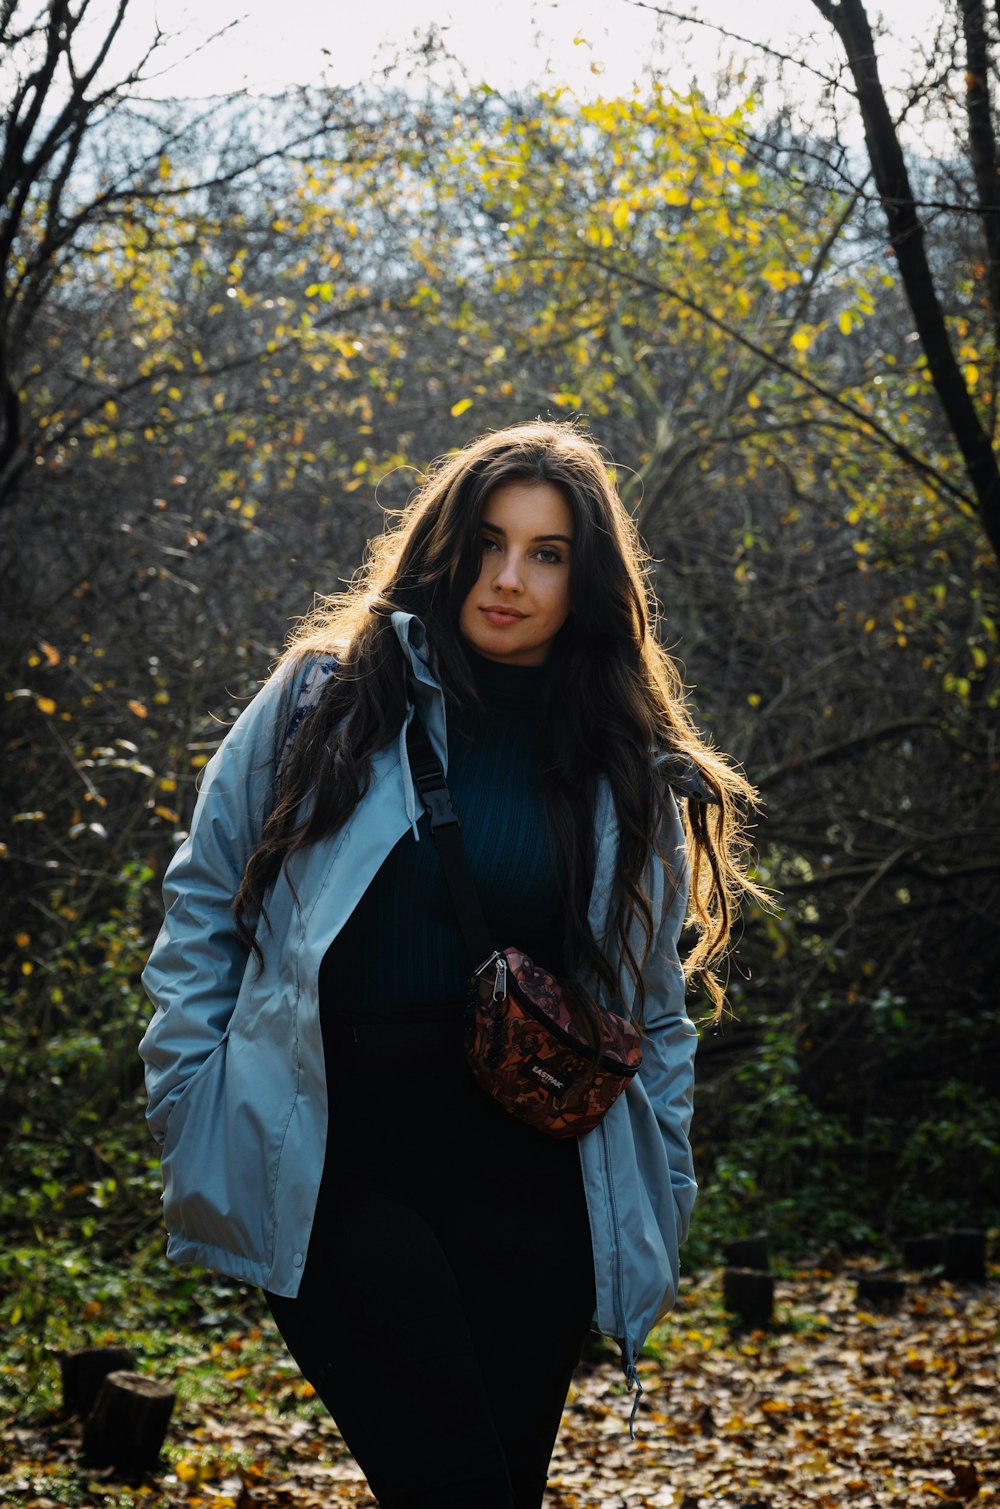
<point x="500" y="616"/>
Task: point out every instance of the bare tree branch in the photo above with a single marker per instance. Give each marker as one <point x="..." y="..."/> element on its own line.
<point x="829" y="80"/>
<point x="867" y="424"/>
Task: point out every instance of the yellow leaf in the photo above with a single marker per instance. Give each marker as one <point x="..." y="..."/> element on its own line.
<point x="802" y="339"/>
<point x="45" y="705"/>
<point x="460" y="407"/>
<point x="778" y="277"/>
<point x="190" y="1471"/>
<point x="167" y="814"/>
<point x="844" y="322"/>
<point x="50" y="652"/>
<point x="138" y="708"/>
<point x="620" y="215"/>
<point x="754" y="699"/>
<point x="753" y="401"/>
<point x="971" y="374"/>
<point x="22" y="939"/>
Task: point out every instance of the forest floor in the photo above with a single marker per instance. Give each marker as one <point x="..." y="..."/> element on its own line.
<point x="832" y="1406"/>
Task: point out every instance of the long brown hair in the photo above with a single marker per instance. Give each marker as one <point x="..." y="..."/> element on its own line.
<point x="614" y="700"/>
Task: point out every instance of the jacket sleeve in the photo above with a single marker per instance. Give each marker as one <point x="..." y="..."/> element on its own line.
<point x="194" y="972"/>
<point x="667" y="1070"/>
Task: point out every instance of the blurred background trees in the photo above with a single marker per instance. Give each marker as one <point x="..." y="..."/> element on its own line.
<point x="231" y="336"/>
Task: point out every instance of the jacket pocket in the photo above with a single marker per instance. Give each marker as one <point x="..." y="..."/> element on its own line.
<point x="180" y="1107"/>
<point x="193" y="1159"/>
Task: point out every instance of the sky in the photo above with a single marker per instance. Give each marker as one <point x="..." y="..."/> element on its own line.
<point x="591" y="45"/>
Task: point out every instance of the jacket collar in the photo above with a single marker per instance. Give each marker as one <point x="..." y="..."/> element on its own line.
<point x="412" y="636"/>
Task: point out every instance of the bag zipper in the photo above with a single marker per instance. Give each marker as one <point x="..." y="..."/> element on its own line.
<point x="500" y="990"/>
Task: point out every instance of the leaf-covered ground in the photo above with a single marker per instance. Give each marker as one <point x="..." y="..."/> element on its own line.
<point x="835" y="1407"/>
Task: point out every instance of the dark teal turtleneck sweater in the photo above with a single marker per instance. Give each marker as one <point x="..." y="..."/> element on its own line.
<point x="400" y="956"/>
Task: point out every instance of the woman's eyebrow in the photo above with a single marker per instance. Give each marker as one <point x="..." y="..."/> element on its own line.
<point x="536" y="539"/>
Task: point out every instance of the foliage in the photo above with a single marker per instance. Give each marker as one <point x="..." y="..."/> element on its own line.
<point x="845" y="1128"/>
<point x="810" y="1407"/>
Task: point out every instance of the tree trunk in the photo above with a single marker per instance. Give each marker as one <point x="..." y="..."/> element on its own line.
<point x="906" y="237"/>
<point x="749" y="1294"/>
<point x="84" y="1372"/>
<point x="965" y="1257"/>
<point x="128" y="1423"/>
<point x="923" y="1252"/>
<point x="879" y="1290"/>
<point x="748" y="1252"/>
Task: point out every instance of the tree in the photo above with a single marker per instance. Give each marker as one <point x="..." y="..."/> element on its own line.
<point x="255" y="351"/>
<point x="967" y="401"/>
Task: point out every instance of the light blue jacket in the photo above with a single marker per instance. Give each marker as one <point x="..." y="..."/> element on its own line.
<point x="234" y="1055"/>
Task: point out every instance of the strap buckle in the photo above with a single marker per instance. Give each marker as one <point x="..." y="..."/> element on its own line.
<point x="437" y="800"/>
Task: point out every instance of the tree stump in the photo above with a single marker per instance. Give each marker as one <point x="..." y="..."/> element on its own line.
<point x="965" y="1256"/>
<point x="128" y="1424"/>
<point x="880" y="1290"/>
<point x="748" y="1293"/>
<point x="923" y="1252"/>
<point x="84" y="1372"/>
<point x="748" y="1252"/>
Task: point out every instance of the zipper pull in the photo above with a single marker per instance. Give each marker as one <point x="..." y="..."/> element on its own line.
<point x="500" y="983"/>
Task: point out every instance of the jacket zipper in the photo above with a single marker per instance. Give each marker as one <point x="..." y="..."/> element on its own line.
<point x="625" y="1341"/>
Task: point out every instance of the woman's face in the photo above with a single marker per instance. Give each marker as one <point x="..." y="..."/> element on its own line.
<point x="521" y="600"/>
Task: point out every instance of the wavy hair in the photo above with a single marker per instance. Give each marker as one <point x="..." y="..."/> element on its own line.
<point x="615" y="700"/>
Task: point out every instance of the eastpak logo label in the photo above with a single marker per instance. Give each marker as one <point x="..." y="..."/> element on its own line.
<point x="546" y="1076"/>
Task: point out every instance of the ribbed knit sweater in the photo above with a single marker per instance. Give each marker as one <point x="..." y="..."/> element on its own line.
<point x="400" y="956"/>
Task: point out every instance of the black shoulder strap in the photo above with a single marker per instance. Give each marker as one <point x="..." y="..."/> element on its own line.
<point x="430" y="781"/>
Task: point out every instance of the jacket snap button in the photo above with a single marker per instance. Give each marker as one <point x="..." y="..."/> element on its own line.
<point x="297" y="1260"/>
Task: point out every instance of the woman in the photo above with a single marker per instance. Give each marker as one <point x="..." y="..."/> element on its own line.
<point x="322" y="1136"/>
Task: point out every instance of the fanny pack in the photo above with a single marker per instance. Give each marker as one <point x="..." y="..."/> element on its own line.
<point x="526" y="1032"/>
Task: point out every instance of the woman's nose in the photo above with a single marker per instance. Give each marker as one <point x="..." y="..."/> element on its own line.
<point x="508" y="573"/>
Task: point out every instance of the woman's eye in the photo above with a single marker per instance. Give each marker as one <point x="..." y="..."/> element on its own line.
<point x="488" y="543"/>
<point x="549" y="556"/>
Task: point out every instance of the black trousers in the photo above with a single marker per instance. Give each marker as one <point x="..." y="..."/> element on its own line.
<point x="449" y="1282"/>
